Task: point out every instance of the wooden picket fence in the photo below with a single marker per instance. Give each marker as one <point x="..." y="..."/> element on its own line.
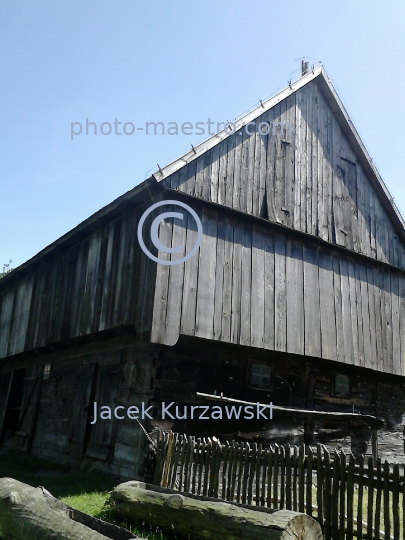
<point x="350" y="497"/>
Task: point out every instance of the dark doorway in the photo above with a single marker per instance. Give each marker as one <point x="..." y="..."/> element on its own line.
<point x="15" y="403"/>
<point x="82" y="408"/>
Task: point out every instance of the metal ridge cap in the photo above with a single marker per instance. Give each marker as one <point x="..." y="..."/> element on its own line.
<point x="212" y="141"/>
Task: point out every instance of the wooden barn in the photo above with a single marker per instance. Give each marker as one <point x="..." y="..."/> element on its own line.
<point x="295" y="297"/>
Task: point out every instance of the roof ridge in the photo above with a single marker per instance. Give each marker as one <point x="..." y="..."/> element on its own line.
<point x="316" y="72"/>
<point x="239" y="123"/>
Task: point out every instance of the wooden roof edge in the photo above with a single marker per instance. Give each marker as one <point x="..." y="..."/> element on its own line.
<point x="150" y="187"/>
<point x="239" y="123"/>
<point x="326" y="244"/>
<point x="344" y="120"/>
<point x="360" y="150"/>
<point x="367" y="418"/>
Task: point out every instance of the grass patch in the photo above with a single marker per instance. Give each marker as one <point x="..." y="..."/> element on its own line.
<point x="87" y="491"/>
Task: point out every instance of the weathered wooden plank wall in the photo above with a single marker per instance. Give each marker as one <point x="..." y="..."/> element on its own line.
<point x="103" y="282"/>
<point x="62" y="429"/>
<point x="309" y="180"/>
<point x="250" y="284"/>
<point x="267" y="287"/>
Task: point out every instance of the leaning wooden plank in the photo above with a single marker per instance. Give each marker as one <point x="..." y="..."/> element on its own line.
<point x="28" y="513"/>
<point x="206" y="518"/>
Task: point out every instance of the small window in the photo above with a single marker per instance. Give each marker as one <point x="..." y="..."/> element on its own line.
<point x="341" y="385"/>
<point x="260" y="375"/>
<point x="47" y="372"/>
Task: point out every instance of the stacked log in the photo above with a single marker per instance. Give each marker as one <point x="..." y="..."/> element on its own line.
<point x="204" y="518"/>
<point x="28" y="513"/>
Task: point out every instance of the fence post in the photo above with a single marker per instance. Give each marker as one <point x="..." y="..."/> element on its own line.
<point x="403" y="502"/>
<point x="252" y="469"/>
<point x="342" y="495"/>
<point x="378" y="485"/>
<point x="207" y="466"/>
<point x="350" y="497"/>
<point x="177" y="448"/>
<point x="231" y="458"/>
<point x="309" y="482"/>
<point x="370" y="501"/>
<point x="335" y="495"/>
<point x="275" y="481"/>
<point x="190" y="465"/>
<point x="282" y="477"/>
<point x="360" y="498"/>
<point x="203" y="449"/>
<point x="295" y="477"/>
<point x="288" y="477"/>
<point x="264" y="477"/>
<point x="246" y="473"/>
<point x="327" y="495"/>
<point x="198" y="468"/>
<point x="186" y="464"/>
<point x="168" y="459"/>
<point x="194" y="484"/>
<point x="387" y="523"/>
<point x="237" y="468"/>
<point x="257" y="473"/>
<point x="301" y="479"/>
<point x="395" y="502"/>
<point x="225" y="481"/>
<point x="269" y="476"/>
<point x="217" y="466"/>
<point x="319" y="483"/>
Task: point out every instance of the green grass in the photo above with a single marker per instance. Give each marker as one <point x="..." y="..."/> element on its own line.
<point x="87" y="491"/>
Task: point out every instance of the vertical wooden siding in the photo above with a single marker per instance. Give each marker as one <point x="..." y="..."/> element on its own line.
<point x="102" y="282"/>
<point x="309" y="181"/>
<point x="257" y="285"/>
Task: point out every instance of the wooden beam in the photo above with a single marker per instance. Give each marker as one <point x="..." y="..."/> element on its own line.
<point x="368" y="419"/>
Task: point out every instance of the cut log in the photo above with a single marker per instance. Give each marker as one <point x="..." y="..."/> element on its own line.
<point x="205" y="518"/>
<point x="28" y="513"/>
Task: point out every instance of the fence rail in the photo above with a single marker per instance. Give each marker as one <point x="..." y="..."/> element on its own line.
<point x="351" y="497"/>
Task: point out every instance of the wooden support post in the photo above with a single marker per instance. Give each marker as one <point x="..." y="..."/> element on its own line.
<point x="168" y="460"/>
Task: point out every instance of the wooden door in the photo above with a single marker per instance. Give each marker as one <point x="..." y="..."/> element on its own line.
<point x="103" y="431"/>
<point x="5" y="384"/>
<point x="80" y="416"/>
<point x="19" y="413"/>
<point x="26" y="425"/>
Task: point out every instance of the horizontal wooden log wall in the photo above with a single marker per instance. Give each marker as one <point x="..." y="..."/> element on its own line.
<point x="350" y="497"/>
<point x="310" y="181"/>
<point x="62" y="430"/>
<point x="256" y="284"/>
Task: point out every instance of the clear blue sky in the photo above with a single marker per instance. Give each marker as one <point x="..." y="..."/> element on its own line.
<point x="170" y="60"/>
